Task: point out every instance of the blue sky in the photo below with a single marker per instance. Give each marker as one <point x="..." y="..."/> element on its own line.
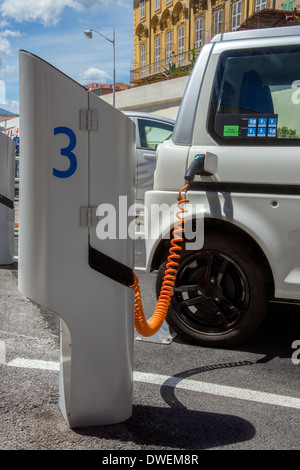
<point x="53" y="30"/>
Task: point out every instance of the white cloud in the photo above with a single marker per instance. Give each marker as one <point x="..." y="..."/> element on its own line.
<point x="2" y="92"/>
<point x="47" y="12"/>
<point x="4" y="46"/>
<point x="79" y="4"/>
<point x="9" y="33"/>
<point x="12" y="106"/>
<point x="8" y="70"/>
<point x="3" y="23"/>
<point x="93" y="74"/>
<point x="124" y="3"/>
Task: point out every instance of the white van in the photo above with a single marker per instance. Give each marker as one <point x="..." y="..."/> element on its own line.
<point x="241" y="114"/>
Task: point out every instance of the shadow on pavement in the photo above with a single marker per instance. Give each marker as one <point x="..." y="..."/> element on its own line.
<point x="176" y="428"/>
<point x="278" y="331"/>
<point x="274" y="337"/>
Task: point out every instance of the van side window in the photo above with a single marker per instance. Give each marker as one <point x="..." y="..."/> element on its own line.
<point x="256" y="97"/>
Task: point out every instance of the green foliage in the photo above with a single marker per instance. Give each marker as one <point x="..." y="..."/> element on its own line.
<point x="194" y="55"/>
<point x="174" y="71"/>
<point x="286" y="133"/>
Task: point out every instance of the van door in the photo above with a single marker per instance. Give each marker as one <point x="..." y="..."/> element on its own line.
<point x="252" y="96"/>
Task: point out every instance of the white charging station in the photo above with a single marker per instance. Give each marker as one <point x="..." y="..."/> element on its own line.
<point x="7" y="179"/>
<point x="77" y="152"/>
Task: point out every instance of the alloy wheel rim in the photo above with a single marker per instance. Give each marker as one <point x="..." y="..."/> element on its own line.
<point x="211" y="294"/>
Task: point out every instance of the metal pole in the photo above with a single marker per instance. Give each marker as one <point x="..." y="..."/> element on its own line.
<point x="114" y="74"/>
<point x="88" y="33"/>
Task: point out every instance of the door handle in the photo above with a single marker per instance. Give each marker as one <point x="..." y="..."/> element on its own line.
<point x="149" y="156"/>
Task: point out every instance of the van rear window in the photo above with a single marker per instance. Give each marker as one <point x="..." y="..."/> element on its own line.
<point x="256" y="97"/>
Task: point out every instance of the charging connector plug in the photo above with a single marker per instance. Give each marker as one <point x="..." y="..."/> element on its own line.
<point x="196" y="168"/>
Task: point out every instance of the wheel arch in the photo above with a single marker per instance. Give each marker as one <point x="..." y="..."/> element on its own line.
<point x="228" y="229"/>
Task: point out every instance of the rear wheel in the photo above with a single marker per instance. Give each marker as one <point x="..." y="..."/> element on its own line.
<point x="220" y="295"/>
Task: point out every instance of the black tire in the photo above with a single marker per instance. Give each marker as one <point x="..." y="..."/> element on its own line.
<point x="220" y="295"/>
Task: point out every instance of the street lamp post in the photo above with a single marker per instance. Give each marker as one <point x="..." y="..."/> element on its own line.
<point x="89" y="34"/>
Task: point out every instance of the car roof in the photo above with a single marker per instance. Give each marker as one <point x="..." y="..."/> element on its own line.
<point x="258" y="33"/>
<point x="141" y="114"/>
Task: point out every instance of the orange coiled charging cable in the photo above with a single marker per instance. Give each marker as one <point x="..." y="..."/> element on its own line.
<point x="149" y="328"/>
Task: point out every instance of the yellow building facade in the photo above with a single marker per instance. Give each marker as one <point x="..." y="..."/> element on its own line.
<point x="166" y="31"/>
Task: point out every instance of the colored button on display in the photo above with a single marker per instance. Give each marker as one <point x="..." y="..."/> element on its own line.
<point x="262" y="132"/>
<point x="251" y="132"/>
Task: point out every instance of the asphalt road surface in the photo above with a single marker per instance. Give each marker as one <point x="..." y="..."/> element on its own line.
<point x="185" y="398"/>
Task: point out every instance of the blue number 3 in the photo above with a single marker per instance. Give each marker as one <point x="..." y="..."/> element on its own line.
<point x="67" y="152"/>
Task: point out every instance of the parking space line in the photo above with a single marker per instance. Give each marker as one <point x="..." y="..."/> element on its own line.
<point x="220" y="390"/>
<point x="185" y="384"/>
<point x="33" y="364"/>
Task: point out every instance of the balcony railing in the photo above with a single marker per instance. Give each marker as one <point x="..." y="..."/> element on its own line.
<point x="163" y="66"/>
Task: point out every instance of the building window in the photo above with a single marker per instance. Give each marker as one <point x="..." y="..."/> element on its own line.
<point x="260" y="5"/>
<point x="157" y="54"/>
<point x="180" y="45"/>
<point x="143" y="58"/>
<point x="142" y="6"/>
<point x="288" y="6"/>
<point x="218" y="21"/>
<point x="198" y="32"/>
<point x="169" y="47"/>
<point x="236" y="15"/>
<point x="157" y="4"/>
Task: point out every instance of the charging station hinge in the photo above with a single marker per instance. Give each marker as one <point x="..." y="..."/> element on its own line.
<point x="88" y="217"/>
<point x="88" y="119"/>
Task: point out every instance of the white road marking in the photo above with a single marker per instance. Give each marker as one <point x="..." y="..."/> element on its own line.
<point x="220" y="390"/>
<point x="185" y="384"/>
<point x="2" y="352"/>
<point x="33" y="364"/>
